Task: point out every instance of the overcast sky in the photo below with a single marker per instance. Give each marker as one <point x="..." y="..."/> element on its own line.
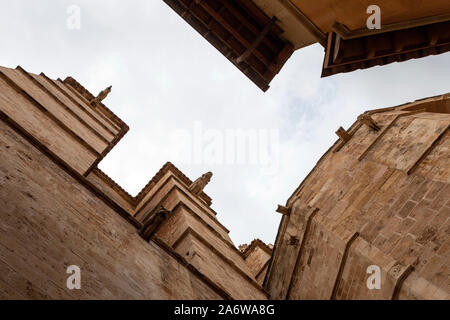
<point x="168" y="80"/>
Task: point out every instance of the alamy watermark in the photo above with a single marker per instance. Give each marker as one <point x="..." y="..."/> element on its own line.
<point x="74" y="280"/>
<point x="374" y="280"/>
<point x="374" y="20"/>
<point x="254" y="147"/>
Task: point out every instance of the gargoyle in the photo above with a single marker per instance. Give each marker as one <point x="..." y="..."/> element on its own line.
<point x="102" y="95"/>
<point x="343" y="134"/>
<point x="198" y="185"/>
<point x="152" y="223"/>
<point x="368" y="121"/>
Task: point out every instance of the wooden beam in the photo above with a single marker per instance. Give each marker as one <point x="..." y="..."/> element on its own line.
<point x="238" y="29"/>
<point x="255" y="12"/>
<point x="381" y="49"/>
<point x="244" y="21"/>
<point x="257" y="41"/>
<point x="279" y="61"/>
<point x="233" y="31"/>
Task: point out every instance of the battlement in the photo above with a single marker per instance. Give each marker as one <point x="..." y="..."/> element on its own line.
<point x="65" y="131"/>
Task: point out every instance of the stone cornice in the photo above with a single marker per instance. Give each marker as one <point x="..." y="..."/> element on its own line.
<point x="256" y="243"/>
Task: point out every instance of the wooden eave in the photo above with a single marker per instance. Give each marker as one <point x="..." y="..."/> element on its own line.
<point x="242" y="32"/>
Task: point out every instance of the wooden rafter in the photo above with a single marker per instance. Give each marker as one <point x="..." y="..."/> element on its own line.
<point x="257" y="41"/>
<point x="384" y="48"/>
<point x="241" y="32"/>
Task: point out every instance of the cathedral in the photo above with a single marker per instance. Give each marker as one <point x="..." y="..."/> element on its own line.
<point x="376" y="204"/>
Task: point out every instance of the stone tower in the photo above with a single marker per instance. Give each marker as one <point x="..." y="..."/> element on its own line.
<point x="379" y="197"/>
<point x="59" y="209"/>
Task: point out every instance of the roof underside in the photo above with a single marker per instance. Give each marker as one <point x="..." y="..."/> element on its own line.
<point x="352" y="13"/>
<point x="345" y="55"/>
<point x="242" y="32"/>
<point x="258" y="36"/>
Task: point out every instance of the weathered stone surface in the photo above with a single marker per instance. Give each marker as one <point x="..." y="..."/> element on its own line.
<point x="58" y="209"/>
<point x="380" y="196"/>
<point x="49" y="221"/>
<point x="383" y="198"/>
<point x="257" y="256"/>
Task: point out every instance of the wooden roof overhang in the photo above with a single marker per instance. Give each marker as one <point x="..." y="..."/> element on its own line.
<point x="345" y="53"/>
<point x="242" y="32"/>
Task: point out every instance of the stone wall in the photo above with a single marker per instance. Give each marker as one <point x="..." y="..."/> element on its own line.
<point x="49" y="221"/>
<point x="58" y="209"/>
<point x="381" y="197"/>
<point x="257" y="256"/>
